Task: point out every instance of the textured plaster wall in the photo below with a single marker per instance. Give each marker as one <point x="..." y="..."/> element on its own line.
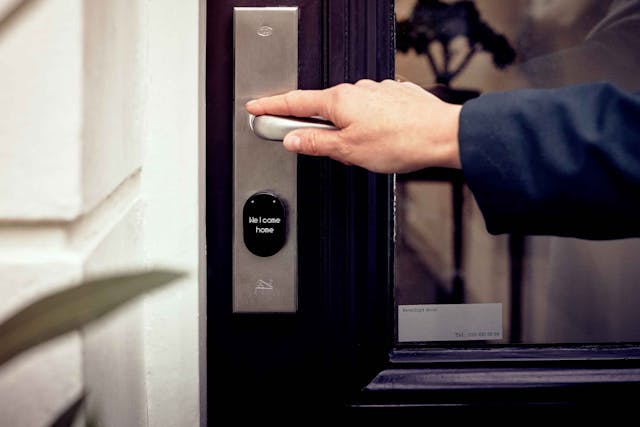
<point x="100" y="166"/>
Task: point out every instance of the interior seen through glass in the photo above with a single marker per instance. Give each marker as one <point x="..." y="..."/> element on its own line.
<point x="543" y="289"/>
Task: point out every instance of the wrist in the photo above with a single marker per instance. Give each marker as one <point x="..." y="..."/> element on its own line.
<point x="450" y="146"/>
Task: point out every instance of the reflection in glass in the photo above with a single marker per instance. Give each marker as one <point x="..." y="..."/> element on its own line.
<point x="553" y="290"/>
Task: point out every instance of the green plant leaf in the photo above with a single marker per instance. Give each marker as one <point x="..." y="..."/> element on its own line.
<point x="73" y="308"/>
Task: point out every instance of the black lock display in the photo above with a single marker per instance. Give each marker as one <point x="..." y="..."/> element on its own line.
<point x="264" y="221"/>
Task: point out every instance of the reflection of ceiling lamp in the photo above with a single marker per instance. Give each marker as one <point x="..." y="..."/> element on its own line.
<point x="435" y="21"/>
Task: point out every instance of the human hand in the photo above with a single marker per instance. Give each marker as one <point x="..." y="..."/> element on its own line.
<point x="385" y="127"/>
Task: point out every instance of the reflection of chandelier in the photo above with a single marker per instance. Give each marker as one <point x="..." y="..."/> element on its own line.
<point x="434" y="21"/>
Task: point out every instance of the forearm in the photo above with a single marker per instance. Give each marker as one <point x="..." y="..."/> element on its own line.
<point x="562" y="162"/>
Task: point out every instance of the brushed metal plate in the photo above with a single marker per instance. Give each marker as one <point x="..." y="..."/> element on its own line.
<point x="266" y="63"/>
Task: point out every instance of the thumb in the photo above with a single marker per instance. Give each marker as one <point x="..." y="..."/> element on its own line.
<point x="314" y="142"/>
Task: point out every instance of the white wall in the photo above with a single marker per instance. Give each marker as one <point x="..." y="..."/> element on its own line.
<point x="100" y="135"/>
<point x="171" y="190"/>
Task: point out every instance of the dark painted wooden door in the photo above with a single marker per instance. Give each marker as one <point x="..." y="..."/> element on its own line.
<point x="338" y="350"/>
<point x="325" y="353"/>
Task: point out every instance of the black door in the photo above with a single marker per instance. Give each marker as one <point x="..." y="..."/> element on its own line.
<point x="339" y="337"/>
<point x="338" y="348"/>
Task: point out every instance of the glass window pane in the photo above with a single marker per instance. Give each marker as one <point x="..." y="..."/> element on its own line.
<point x="549" y="289"/>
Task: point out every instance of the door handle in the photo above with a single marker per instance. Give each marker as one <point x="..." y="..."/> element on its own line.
<point x="275" y="128"/>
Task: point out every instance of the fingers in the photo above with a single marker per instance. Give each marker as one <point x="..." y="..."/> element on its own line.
<point x="305" y="103"/>
<point x="300" y="103"/>
<point x="317" y="142"/>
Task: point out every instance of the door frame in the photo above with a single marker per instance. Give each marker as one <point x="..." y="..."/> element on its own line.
<point x="339" y="350"/>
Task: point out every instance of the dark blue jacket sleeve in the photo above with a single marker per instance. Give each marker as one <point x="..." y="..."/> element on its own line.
<point x="562" y="162"/>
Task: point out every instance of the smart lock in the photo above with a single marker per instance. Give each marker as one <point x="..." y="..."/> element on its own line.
<point x="264" y="175"/>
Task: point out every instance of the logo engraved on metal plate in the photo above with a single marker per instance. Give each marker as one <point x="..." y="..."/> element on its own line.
<point x="265" y="31"/>
<point x="263" y="285"/>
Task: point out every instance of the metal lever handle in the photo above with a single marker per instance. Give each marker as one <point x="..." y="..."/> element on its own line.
<point x="275" y="128"/>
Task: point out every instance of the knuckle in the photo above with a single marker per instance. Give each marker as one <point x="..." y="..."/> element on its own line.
<point x="388" y="82"/>
<point x="344" y="151"/>
<point x="343" y="148"/>
<point x="364" y="82"/>
<point x="289" y="98"/>
<point x="343" y="86"/>
<point x="342" y="91"/>
<point x="312" y="144"/>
